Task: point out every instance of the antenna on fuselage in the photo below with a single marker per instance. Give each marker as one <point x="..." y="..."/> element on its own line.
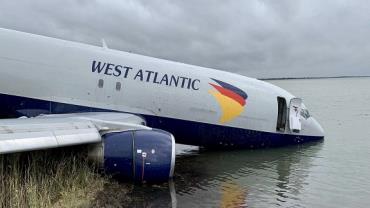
<point x="104" y="44"/>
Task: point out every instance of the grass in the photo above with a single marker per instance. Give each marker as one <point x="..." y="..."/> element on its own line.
<point x="53" y="178"/>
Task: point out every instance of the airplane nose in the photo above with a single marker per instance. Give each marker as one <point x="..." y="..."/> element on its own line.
<point x="317" y="129"/>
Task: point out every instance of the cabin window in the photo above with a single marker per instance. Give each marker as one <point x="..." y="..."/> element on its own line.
<point x="118" y="86"/>
<point x="282" y="114"/>
<point x="100" y="83"/>
<point x="305" y="114"/>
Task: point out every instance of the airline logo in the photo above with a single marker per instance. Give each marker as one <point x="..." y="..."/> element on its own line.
<point x="231" y="99"/>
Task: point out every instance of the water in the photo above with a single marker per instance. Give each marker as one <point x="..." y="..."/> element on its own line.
<point x="331" y="173"/>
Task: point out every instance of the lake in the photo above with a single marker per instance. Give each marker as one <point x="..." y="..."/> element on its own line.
<point x="331" y="173"/>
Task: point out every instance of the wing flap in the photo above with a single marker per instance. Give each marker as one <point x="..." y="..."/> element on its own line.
<point x="35" y="134"/>
<point x="50" y="131"/>
<point x="30" y="142"/>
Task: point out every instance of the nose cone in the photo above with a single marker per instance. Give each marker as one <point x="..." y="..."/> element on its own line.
<point x="316" y="129"/>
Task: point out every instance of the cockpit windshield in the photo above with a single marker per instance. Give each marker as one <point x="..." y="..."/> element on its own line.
<point x="305" y="114"/>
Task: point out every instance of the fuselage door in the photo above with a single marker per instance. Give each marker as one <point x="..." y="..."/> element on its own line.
<point x="295" y="108"/>
<point x="104" y="91"/>
<point x="282" y="114"/>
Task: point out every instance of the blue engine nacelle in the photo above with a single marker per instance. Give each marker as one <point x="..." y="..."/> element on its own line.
<point x="139" y="155"/>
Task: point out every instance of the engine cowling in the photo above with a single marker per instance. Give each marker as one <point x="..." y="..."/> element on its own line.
<point x="138" y="155"/>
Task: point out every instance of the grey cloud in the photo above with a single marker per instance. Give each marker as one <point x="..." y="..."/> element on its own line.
<point x="258" y="38"/>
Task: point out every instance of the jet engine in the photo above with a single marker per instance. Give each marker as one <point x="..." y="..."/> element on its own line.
<point x="138" y="155"/>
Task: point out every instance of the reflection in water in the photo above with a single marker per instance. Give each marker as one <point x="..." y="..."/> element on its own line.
<point x="153" y="196"/>
<point x="232" y="195"/>
<point x="267" y="175"/>
<point x="233" y="179"/>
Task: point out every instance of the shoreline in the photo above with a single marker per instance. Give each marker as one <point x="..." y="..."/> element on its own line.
<point x="292" y="78"/>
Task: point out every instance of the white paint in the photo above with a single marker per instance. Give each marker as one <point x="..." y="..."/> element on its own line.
<point x="57" y="70"/>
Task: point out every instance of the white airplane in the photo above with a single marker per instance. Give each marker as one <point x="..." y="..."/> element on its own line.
<point x="130" y="107"/>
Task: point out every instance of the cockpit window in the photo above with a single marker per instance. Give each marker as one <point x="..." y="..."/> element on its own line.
<point x="305" y="114"/>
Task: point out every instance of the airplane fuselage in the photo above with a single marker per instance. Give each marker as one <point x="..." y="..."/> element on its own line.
<point x="199" y="106"/>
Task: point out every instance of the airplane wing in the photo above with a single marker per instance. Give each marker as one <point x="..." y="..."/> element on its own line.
<point x="50" y="131"/>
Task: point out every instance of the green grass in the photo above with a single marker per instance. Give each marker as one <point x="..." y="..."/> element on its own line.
<point x="52" y="178"/>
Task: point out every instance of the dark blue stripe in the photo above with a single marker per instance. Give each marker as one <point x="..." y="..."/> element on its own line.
<point x="185" y="132"/>
<point x="232" y="88"/>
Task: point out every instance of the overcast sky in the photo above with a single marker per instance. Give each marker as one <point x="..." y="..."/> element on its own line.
<point x="257" y="38"/>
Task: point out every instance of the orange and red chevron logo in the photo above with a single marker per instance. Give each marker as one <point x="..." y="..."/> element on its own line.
<point x="231" y="99"/>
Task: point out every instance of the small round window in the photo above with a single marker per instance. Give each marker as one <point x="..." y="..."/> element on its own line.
<point x="118" y="86"/>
